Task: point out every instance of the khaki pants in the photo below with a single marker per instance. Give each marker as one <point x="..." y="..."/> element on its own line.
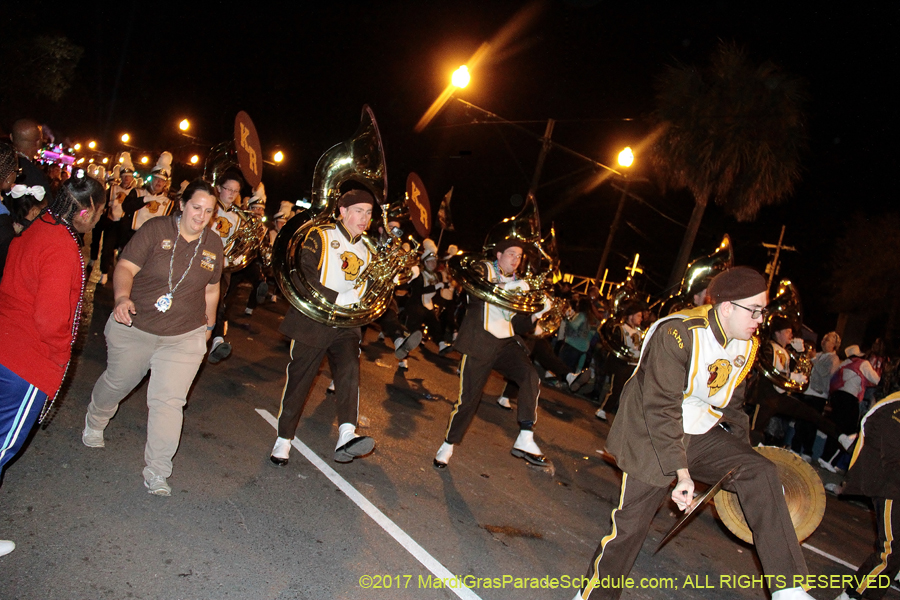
<point x="173" y="362"/>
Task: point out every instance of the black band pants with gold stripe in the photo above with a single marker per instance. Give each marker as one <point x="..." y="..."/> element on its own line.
<point x="343" y="356"/>
<point x="512" y="362"/>
<point x="878" y="571"/>
<point x="710" y="456"/>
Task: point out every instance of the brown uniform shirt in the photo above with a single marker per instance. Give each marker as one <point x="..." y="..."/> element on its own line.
<point x="151" y="249"/>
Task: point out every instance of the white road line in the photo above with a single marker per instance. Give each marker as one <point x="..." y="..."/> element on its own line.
<point x="418" y="552"/>
<point x="832" y="557"/>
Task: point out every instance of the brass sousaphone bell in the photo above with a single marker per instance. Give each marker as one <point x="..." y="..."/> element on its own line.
<point x="468" y="268"/>
<point x="357" y="161"/>
<point x="697" y="277"/>
<point x="786" y="306"/>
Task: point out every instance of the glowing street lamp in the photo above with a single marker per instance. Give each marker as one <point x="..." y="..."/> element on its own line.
<point x="105" y="160"/>
<point x="278" y="157"/>
<point x="77" y="147"/>
<point x="125" y="138"/>
<point x="195" y="159"/>
<point x="145" y="160"/>
<point x="626" y="159"/>
<point x="92" y="144"/>
<point x="460" y="77"/>
<point x="184" y="125"/>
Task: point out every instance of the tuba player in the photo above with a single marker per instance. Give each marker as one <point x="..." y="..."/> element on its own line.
<point x="333" y="256"/>
<point x="488" y="342"/>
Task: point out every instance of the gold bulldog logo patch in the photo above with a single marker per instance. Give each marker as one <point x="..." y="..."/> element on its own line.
<point x="223" y="226"/>
<point x="350" y="265"/>
<point x="718" y="376"/>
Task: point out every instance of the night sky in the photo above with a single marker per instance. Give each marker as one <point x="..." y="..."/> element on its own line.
<point x="303" y="70"/>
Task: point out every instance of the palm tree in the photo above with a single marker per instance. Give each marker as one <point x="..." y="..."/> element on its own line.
<point x="732" y="133"/>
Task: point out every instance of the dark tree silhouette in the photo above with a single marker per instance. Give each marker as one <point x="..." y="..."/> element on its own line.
<point x="865" y="277"/>
<point x="733" y="134"/>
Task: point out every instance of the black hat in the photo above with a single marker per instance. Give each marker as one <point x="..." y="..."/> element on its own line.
<point x="736" y="283"/>
<point x="356" y="197"/>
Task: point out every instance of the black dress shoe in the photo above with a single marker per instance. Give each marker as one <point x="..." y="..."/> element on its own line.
<point x="439" y="465"/>
<point x="355" y="448"/>
<point x="536" y="459"/>
<point x="280" y="462"/>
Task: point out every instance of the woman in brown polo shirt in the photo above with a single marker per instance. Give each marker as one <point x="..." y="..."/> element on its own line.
<point x="166" y="287"/>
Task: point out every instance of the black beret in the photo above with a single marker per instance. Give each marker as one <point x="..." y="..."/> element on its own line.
<point x="736" y="283"/>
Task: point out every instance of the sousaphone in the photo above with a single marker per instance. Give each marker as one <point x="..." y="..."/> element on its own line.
<point x="468" y="268"/>
<point x="358" y="161"/>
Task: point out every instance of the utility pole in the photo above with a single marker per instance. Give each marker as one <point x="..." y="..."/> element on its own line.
<point x="773" y="267"/>
<point x="545" y="148"/>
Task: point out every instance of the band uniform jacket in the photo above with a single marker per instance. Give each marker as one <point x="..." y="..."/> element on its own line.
<point x="331" y="260"/>
<point x="875" y="466"/>
<point x="475" y="339"/>
<point x="689" y="378"/>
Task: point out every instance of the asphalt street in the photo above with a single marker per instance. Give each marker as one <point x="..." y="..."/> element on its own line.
<point x="385" y="526"/>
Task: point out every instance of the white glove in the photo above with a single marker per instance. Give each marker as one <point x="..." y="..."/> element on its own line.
<point x="514" y="285"/>
<point x="438" y="285"/>
<point x="349" y="297"/>
<point x="798" y="377"/>
<point x="548" y="304"/>
<point x="797" y="344"/>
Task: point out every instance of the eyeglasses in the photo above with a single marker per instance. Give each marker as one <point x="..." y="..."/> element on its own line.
<point x="755" y="313"/>
<point x="232" y="190"/>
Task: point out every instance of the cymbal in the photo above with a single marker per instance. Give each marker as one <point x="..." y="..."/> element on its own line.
<point x="803" y="492"/>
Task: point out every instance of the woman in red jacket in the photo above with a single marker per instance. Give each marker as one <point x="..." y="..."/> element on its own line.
<point x="40" y="307"/>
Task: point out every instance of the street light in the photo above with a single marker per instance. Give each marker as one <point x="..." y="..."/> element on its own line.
<point x="184" y="125"/>
<point x="125" y="138"/>
<point x="105" y="160"/>
<point x="626" y="159"/>
<point x="145" y="160"/>
<point x="92" y="144"/>
<point x="460" y="77"/>
<point x="77" y="147"/>
<point x="278" y="157"/>
<point x="195" y="159"/>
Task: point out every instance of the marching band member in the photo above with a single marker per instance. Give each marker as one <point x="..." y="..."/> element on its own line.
<point x="225" y="224"/>
<point x="109" y="228"/>
<point x="332" y="258"/>
<point x="148" y="202"/>
<point x="488" y="342"/>
<point x="620" y="370"/>
<point x="681" y="418"/>
<point x="422" y="290"/>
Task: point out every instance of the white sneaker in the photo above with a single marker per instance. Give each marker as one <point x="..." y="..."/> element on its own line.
<point x="834" y="489"/>
<point x="156" y="484"/>
<point x="92" y="438"/>
<point x="844" y="596"/>
<point x="6" y="547"/>
<point x="443" y="455"/>
<point x="504" y="402"/>
<point x="600" y="414"/>
<point x="281" y="452"/>
<point x="794" y="593"/>
<point x="248" y="311"/>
